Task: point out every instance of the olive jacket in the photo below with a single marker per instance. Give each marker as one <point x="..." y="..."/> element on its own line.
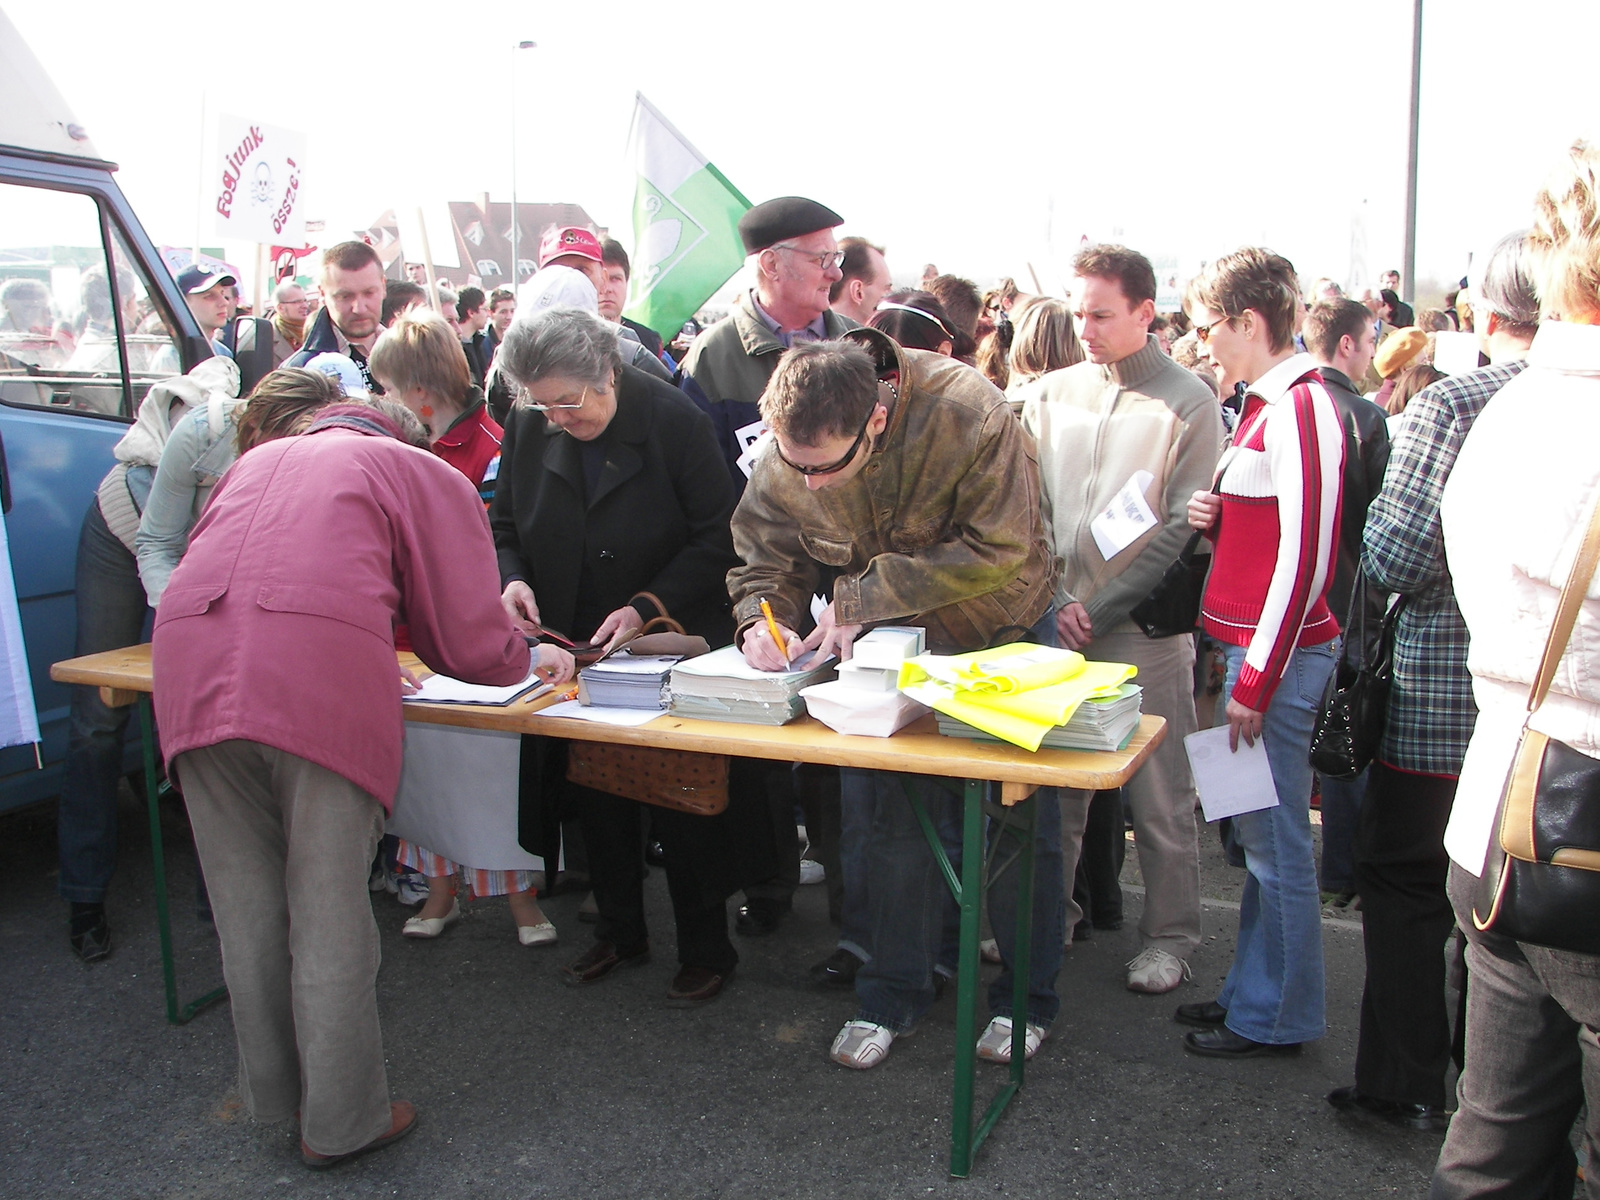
<point x="940" y="528"/>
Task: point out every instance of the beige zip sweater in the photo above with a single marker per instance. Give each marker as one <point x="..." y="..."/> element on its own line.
<point x="1095" y="425"/>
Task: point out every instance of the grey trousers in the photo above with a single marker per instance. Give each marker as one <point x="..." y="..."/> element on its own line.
<point x="286" y="846"/>
<point x="1161" y="797"/>
<point x="1532" y="1060"/>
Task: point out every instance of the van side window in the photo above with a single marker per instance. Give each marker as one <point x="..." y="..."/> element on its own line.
<point x="62" y="309"/>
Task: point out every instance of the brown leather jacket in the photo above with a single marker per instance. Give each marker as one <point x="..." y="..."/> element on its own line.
<point x="941" y="528"/>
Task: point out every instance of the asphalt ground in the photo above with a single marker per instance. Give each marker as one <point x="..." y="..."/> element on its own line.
<point x="527" y="1088"/>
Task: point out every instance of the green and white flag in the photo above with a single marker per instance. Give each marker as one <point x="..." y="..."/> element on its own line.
<point x="685" y="225"/>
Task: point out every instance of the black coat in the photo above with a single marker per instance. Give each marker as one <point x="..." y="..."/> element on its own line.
<point x="1366" y="457"/>
<point x="658" y="521"/>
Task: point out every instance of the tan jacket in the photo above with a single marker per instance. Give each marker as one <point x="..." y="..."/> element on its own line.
<point x="941" y="527"/>
<point x="1096" y="425"/>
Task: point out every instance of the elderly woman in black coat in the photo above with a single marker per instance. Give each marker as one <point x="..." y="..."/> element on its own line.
<point x="611" y="491"/>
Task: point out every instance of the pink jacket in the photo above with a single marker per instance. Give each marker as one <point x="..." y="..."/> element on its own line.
<point x="277" y="626"/>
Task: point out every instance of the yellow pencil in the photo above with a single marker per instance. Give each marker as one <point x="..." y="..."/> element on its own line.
<point x="772" y="627"/>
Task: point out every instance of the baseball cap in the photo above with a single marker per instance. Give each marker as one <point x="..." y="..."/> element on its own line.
<point x="569" y="240"/>
<point x="196" y="279"/>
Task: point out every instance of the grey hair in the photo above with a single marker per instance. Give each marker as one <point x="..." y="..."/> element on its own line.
<point x="560" y="341"/>
<point x="411" y="430"/>
<point x="1508" y="287"/>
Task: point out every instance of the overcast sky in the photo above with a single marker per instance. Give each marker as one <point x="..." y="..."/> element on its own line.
<point x="982" y="137"/>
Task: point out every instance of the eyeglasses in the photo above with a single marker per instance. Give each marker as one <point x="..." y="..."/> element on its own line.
<point x="832" y="258"/>
<point x="537" y="407"/>
<point x="832" y="467"/>
<point x="1202" y="333"/>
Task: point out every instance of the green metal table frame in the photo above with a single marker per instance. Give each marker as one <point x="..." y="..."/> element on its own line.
<point x="977" y="858"/>
<point x="177" y="1012"/>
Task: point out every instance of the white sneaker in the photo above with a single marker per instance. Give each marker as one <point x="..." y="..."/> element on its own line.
<point x="411" y="889"/>
<point x="1155" y="971"/>
<point x="811" y="871"/>
<point x="861" y="1045"/>
<point x="995" y="1044"/>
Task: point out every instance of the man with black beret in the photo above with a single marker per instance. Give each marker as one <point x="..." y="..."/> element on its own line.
<point x="790" y="241"/>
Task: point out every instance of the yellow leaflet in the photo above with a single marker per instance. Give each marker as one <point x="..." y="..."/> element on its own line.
<point x="1023" y="718"/>
<point x="1003" y="671"/>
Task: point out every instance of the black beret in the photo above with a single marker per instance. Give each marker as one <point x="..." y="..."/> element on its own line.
<point x="773" y="221"/>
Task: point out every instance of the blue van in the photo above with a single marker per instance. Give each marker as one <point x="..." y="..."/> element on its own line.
<point x="89" y="319"/>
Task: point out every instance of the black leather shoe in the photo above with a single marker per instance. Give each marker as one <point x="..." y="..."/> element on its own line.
<point x="1223" y="1042"/>
<point x="1206" y="1014"/>
<point x="694" y="986"/>
<point x="600" y="960"/>
<point x="89" y="933"/>
<point x="837" y="970"/>
<point x="1425" y="1118"/>
<point x="757" y="918"/>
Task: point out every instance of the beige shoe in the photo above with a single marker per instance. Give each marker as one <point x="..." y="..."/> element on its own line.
<point x="543" y="934"/>
<point x="432" y="927"/>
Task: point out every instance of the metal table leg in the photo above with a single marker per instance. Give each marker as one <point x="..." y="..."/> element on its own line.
<point x="176" y="1014"/>
<point x="968" y="892"/>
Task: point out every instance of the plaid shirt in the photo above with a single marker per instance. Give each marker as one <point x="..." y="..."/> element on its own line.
<point x="1431" y="710"/>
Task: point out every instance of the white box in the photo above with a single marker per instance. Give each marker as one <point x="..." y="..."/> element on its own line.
<point x="887" y="646"/>
<point x="869" y="679"/>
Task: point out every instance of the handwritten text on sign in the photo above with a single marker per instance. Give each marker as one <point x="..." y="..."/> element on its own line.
<point x="257" y="190"/>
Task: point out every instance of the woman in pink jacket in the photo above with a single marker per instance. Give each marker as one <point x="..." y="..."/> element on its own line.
<point x="278" y="698"/>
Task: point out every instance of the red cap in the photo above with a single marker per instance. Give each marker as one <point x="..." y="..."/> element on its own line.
<point x="570" y="240"/>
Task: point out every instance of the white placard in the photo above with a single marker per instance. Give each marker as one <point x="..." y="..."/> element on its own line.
<point x="1229" y="782"/>
<point x="753" y="439"/>
<point x="1126" y="518"/>
<point x="258" y="185"/>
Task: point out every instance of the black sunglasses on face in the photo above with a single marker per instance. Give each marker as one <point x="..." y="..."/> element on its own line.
<point x="831" y="468"/>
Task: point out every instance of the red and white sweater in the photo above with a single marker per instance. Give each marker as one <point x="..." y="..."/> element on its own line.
<point x="1279" y="530"/>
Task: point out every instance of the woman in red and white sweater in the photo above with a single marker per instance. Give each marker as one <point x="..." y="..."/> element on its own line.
<point x="1274" y="521"/>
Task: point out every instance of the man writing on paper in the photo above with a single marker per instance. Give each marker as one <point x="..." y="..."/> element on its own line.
<point x="1124" y="439"/>
<point x="899" y="481"/>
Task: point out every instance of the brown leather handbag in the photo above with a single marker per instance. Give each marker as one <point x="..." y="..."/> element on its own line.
<point x="686" y="780"/>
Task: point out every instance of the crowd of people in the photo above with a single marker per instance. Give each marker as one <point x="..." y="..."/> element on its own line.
<point x="390" y="463"/>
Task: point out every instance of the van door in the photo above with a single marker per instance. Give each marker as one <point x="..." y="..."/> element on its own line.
<point x="83" y="335"/>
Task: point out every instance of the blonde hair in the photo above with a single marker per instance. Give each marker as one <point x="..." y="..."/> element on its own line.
<point x="1045" y="340"/>
<point x="1566" y="235"/>
<point x="421" y="350"/>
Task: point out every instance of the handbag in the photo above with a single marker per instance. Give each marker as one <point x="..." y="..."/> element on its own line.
<point x="1173" y="605"/>
<point x="1355" y="705"/>
<point x="1541" y="883"/>
<point x="686" y="780"/>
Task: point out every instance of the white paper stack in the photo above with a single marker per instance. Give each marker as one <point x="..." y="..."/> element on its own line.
<point x="624" y="680"/>
<point x="845" y="708"/>
<point x="875" y="659"/>
<point x="443" y="689"/>
<point x="1096" y="725"/>
<point x="721" y="686"/>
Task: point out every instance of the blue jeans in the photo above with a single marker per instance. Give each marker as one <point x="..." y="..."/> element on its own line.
<point x="907" y="898"/>
<point x="1274" y="990"/>
<point x="111" y="614"/>
<point x="1049" y="914"/>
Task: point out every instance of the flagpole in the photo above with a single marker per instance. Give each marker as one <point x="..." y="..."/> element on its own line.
<point x="515" y="223"/>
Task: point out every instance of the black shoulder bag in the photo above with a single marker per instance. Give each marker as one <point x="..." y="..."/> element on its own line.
<point x="1355" y="706"/>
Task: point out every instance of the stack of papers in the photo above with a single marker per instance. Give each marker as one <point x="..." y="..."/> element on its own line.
<point x="721" y="686"/>
<point x="1017" y="693"/>
<point x="442" y="689"/>
<point x="1096" y="724"/>
<point x="624" y="680"/>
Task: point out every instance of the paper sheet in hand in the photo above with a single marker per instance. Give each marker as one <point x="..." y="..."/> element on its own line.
<point x="442" y="689"/>
<point x="458" y="796"/>
<point x="1126" y="518"/>
<point x="1229" y="783"/>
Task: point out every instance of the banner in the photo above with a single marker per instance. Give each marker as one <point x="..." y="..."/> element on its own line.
<point x="19" y="720"/>
<point x="685" y="224"/>
<point x="257" y="194"/>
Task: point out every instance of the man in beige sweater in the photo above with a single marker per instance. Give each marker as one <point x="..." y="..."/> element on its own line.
<point x="1124" y="439"/>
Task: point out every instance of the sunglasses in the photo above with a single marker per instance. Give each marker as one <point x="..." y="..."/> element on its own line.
<point x="1202" y="333"/>
<point x="833" y="467"/>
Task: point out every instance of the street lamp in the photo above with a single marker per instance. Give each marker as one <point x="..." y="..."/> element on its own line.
<point x="514" y="222"/>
